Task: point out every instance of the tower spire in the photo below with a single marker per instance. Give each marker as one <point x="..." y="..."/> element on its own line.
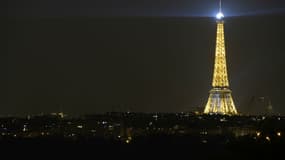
<point x="220" y="10"/>
<point x="220" y="14"/>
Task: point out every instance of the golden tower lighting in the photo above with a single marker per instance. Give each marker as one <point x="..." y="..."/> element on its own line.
<point x="220" y="100"/>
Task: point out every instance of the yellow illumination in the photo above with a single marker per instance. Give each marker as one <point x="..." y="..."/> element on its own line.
<point x="80" y="126"/>
<point x="220" y="99"/>
<point x="279" y="134"/>
<point x="220" y="77"/>
<point x="258" y="134"/>
<point x="267" y="138"/>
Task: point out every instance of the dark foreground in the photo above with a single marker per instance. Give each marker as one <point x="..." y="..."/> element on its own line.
<point x="137" y="135"/>
<point x="145" y="147"/>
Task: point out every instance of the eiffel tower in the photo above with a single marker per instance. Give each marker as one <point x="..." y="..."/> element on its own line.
<point x="220" y="100"/>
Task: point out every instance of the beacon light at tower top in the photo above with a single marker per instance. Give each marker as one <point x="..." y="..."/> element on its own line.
<point x="220" y="15"/>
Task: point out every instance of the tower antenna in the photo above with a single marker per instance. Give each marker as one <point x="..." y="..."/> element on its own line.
<point x="220" y="6"/>
<point x="220" y="14"/>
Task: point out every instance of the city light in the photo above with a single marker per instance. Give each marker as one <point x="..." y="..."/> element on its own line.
<point x="25" y="128"/>
<point x="80" y="126"/>
<point x="267" y="138"/>
<point x="278" y="134"/>
<point x="204" y="132"/>
<point x="258" y="133"/>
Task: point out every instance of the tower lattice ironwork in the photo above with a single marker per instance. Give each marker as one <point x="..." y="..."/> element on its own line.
<point x="220" y="99"/>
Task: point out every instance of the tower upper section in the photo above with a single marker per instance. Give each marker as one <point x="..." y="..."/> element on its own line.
<point x="220" y="77"/>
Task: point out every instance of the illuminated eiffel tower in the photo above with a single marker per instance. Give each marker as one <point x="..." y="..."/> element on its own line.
<point x="220" y="100"/>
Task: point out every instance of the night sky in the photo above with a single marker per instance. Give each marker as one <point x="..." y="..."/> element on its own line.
<point x="93" y="56"/>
